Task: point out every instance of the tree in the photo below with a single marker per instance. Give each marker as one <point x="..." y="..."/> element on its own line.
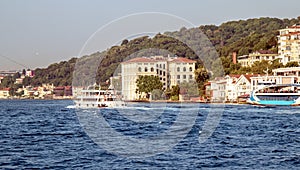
<point x="190" y="89"/>
<point x="157" y="94"/>
<point x="292" y="64"/>
<point x="146" y="84"/>
<point x="260" y="67"/>
<point x="276" y="64"/>
<point x="23" y="72"/>
<point x="7" y="81"/>
<point x="175" y="92"/>
<point x="201" y="75"/>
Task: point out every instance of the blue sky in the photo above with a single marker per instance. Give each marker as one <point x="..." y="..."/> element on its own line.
<point x="37" y="33"/>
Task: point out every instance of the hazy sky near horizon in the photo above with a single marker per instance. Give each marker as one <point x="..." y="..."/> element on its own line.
<point x="37" y="33"/>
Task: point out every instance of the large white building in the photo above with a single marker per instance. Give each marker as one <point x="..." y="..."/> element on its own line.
<point x="171" y="71"/>
<point x="289" y="44"/>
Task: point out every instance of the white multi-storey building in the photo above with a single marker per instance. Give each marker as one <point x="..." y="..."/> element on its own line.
<point x="171" y="71"/>
<point x="289" y="44"/>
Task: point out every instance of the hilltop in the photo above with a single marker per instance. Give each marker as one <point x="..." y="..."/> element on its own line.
<point x="243" y="37"/>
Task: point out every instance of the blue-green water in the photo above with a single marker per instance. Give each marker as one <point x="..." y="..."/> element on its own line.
<point x="47" y="134"/>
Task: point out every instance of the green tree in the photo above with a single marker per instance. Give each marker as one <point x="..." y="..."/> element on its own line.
<point x="276" y="64"/>
<point x="261" y="67"/>
<point x="7" y="81"/>
<point x="175" y="92"/>
<point x="292" y="64"/>
<point x="146" y="84"/>
<point x="157" y="94"/>
<point x="201" y="76"/>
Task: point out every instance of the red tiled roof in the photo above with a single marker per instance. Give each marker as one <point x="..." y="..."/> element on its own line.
<point x="266" y="52"/>
<point x="248" y="76"/>
<point x="183" y="60"/>
<point x="291" y="33"/>
<point x="244" y="96"/>
<point x="294" y="26"/>
<point x="68" y="87"/>
<point x="139" y="60"/>
<point x="234" y="75"/>
<point x="207" y="84"/>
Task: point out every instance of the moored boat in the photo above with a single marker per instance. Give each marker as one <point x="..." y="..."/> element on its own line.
<point x="95" y="97"/>
<point x="276" y="95"/>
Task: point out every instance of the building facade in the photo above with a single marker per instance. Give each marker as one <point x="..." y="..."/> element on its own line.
<point x="260" y="55"/>
<point x="170" y="70"/>
<point x="289" y="44"/>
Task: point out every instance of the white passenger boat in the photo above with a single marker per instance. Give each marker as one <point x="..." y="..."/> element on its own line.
<point x="279" y="94"/>
<point x="95" y="97"/>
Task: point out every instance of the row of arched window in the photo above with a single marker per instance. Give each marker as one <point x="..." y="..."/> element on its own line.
<point x="184" y="69"/>
<point x="146" y="69"/>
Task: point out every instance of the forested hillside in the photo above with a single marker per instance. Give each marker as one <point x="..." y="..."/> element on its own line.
<point x="242" y="36"/>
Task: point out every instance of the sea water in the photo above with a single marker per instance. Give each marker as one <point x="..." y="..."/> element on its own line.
<point x="50" y="134"/>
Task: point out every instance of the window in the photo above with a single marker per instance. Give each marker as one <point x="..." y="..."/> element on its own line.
<point x="191" y="69"/>
<point x="160" y="66"/>
<point x="191" y="76"/>
<point x="164" y="66"/>
<point x="184" y="69"/>
<point x="164" y="73"/>
<point x="178" y="76"/>
<point x="178" y="69"/>
<point x="152" y="69"/>
<point x="146" y="69"/>
<point x="184" y="76"/>
<point x="139" y="69"/>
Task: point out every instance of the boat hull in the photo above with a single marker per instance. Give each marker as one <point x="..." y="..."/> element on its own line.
<point x="273" y="98"/>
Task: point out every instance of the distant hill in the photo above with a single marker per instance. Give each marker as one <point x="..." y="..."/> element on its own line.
<point x="242" y="36"/>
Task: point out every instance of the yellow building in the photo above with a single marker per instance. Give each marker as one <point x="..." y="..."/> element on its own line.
<point x="4" y="93"/>
<point x="289" y="44"/>
<point x="260" y="55"/>
<point x="170" y="70"/>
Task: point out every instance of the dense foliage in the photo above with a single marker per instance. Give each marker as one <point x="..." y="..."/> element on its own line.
<point x="243" y="37"/>
<point x="146" y="84"/>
